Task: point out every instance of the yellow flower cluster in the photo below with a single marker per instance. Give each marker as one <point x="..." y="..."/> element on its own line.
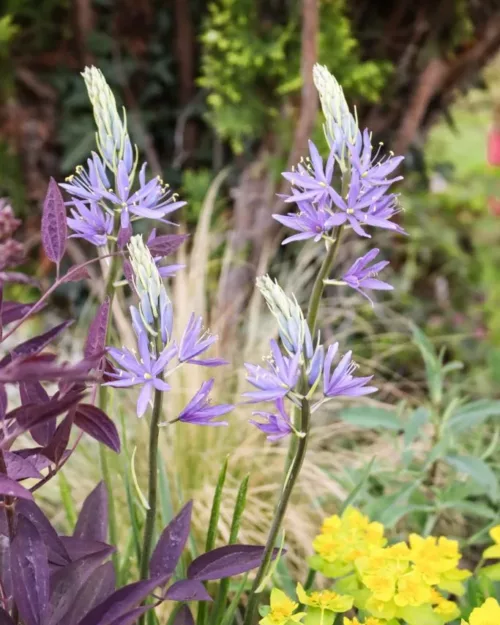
<point x="400" y="581"/>
<point x="407" y="582"/>
<point x="487" y="614"/>
<point x="343" y="540"/>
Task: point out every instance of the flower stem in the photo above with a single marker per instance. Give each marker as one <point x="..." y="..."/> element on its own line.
<point x="319" y="286"/>
<point x="149" y="526"/>
<point x="103" y="405"/>
<point x="279" y="515"/>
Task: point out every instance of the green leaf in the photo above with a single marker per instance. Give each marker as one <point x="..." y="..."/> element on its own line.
<point x="239" y="508"/>
<point x="359" y="486"/>
<point x="371" y="417"/>
<point x="316" y="616"/>
<point x="432" y="363"/>
<point x="67" y="500"/>
<point x="212" y="531"/>
<point x="473" y="414"/>
<point x="492" y="572"/>
<point x="478" y="470"/>
<point x="231" y="611"/>
<point x="416" y="422"/>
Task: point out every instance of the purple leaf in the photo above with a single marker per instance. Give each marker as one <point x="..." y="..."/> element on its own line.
<point x="5" y="619"/>
<point x="36" y="344"/>
<point x="96" y="339"/>
<point x="57" y="553"/>
<point x="5" y="559"/>
<point x="34" y="393"/>
<point x="3" y="402"/>
<point x="184" y="617"/>
<point x="226" y="562"/>
<point x="129" y="273"/>
<point x="79" y="548"/>
<point x="30" y="573"/>
<point x="54" y="226"/>
<point x="171" y="543"/>
<point x="18" y="278"/>
<point x="131" y="617"/>
<point x="97" y="424"/>
<point x="121" y="602"/>
<point x="75" y="274"/>
<point x="19" y="468"/>
<point x="188" y="590"/>
<point x="43" y="368"/>
<point x="124" y="235"/>
<point x="96" y="589"/>
<point x="66" y="584"/>
<point x="92" y="521"/>
<point x="10" y="488"/>
<point x="12" y="311"/>
<point x="59" y="442"/>
<point x="166" y="244"/>
<point x="29" y="416"/>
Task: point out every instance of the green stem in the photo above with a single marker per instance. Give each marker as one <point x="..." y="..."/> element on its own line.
<point x="103" y="405"/>
<point x="279" y="515"/>
<point x="312" y="317"/>
<point x="149" y="527"/>
<point x="319" y="286"/>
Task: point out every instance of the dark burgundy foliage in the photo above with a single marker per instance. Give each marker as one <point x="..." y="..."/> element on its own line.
<point x="166" y="244"/>
<point x="121" y="602"/>
<point x="98" y="586"/>
<point x="92" y="523"/>
<point x="124" y="237"/>
<point x="54" y="226"/>
<point x="5" y="618"/>
<point x="12" y="311"/>
<point x="187" y="590"/>
<point x="96" y="339"/>
<point x="57" y="446"/>
<point x="10" y="488"/>
<point x="171" y="543"/>
<point x="35" y="345"/>
<point x="30" y="573"/>
<point x="57" y="553"/>
<point x="184" y="617"/>
<point x="97" y="424"/>
<point x="75" y="274"/>
<point x="226" y="562"/>
<point x="19" y="468"/>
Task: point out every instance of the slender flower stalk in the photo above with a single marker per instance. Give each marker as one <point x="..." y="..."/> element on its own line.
<point x="154" y="432"/>
<point x="288" y="486"/>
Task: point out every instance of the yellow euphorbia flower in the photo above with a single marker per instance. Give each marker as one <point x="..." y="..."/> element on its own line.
<point x="282" y="610"/>
<point x="412" y="590"/>
<point x="371" y="620"/>
<point x="487" y="614"/>
<point x="325" y="600"/>
<point x="494" y="550"/>
<point x="447" y="609"/>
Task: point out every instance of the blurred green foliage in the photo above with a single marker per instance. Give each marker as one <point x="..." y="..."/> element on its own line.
<point x="251" y="59"/>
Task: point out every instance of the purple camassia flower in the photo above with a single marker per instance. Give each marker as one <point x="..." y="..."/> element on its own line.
<point x="310" y="222"/>
<point x="275" y="382"/>
<point x="341" y="381"/>
<point x="145" y="371"/>
<point x="90" y="223"/>
<point x="360" y="206"/>
<point x="193" y="343"/>
<point x="88" y="185"/>
<point x="199" y="411"/>
<point x="276" y="426"/>
<point x="314" y="181"/>
<point x="360" y="276"/>
<point x="152" y="200"/>
<point x="371" y="170"/>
